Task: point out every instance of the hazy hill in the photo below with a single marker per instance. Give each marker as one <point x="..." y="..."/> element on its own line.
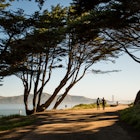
<point x="45" y="96"/>
<point x="1" y="97"/>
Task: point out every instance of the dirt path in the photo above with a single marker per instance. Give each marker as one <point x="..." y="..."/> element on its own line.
<point x="76" y="125"/>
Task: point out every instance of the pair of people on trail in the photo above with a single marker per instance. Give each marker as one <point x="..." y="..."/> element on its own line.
<point x="98" y="102"/>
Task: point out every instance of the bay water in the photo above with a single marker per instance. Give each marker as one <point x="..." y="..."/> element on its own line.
<point x="11" y="109"/>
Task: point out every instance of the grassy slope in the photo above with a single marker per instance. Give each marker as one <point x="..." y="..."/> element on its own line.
<point x="14" y="121"/>
<point x="131" y="116"/>
<point x="87" y="106"/>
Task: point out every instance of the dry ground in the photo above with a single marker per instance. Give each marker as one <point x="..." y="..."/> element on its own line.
<point x="89" y="124"/>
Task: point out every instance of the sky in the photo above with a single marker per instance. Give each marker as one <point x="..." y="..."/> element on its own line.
<point x="122" y="85"/>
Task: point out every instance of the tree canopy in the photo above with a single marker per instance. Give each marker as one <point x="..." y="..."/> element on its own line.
<point x="117" y="20"/>
<point x="73" y="39"/>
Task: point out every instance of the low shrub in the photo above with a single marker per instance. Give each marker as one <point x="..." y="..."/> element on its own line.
<point x="131" y="116"/>
<point x="87" y="106"/>
<point x="84" y="106"/>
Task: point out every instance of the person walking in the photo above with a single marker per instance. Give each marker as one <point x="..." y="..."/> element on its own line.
<point x="98" y="103"/>
<point x="103" y="103"/>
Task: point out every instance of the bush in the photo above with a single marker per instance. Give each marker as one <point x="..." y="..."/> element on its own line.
<point x="87" y="106"/>
<point x="84" y="106"/>
<point x="131" y="116"/>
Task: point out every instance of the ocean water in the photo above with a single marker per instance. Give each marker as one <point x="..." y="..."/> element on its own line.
<point x="11" y="109"/>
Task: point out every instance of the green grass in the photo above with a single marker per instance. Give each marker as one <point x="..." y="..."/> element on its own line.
<point x="14" y="121"/>
<point x="131" y="116"/>
<point x="84" y="106"/>
<point x="87" y="106"/>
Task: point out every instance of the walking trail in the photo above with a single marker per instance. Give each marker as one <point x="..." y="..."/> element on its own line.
<point x="89" y="124"/>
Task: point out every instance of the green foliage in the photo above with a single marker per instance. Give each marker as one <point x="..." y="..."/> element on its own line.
<point x="88" y="106"/>
<point x="11" y="116"/>
<point x="131" y="116"/>
<point x="36" y="44"/>
<point x="84" y="106"/>
<point x="81" y="6"/>
<point x="4" y="4"/>
<point x="14" y="121"/>
<point x="24" y="35"/>
<point x="118" y="20"/>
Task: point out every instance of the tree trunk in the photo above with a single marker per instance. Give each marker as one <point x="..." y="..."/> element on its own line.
<point x="26" y="94"/>
<point x="60" y="86"/>
<point x="34" y="102"/>
<point x="49" y="101"/>
<point x="58" y="102"/>
<point x="40" y="108"/>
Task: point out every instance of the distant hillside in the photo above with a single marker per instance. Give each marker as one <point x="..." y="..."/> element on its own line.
<point x="45" y="96"/>
<point x="1" y="97"/>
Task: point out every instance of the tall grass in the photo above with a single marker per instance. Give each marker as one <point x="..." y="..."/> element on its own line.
<point x="88" y="106"/>
<point x="85" y="106"/>
<point x="131" y="116"/>
<point x="14" y="121"/>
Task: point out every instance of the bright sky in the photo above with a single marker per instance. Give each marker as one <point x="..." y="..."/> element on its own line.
<point x="122" y="85"/>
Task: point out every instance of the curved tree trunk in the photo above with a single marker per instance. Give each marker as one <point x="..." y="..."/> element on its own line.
<point x="49" y="101"/>
<point x="60" y="86"/>
<point x="58" y="102"/>
<point x="70" y="86"/>
<point x="39" y="107"/>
